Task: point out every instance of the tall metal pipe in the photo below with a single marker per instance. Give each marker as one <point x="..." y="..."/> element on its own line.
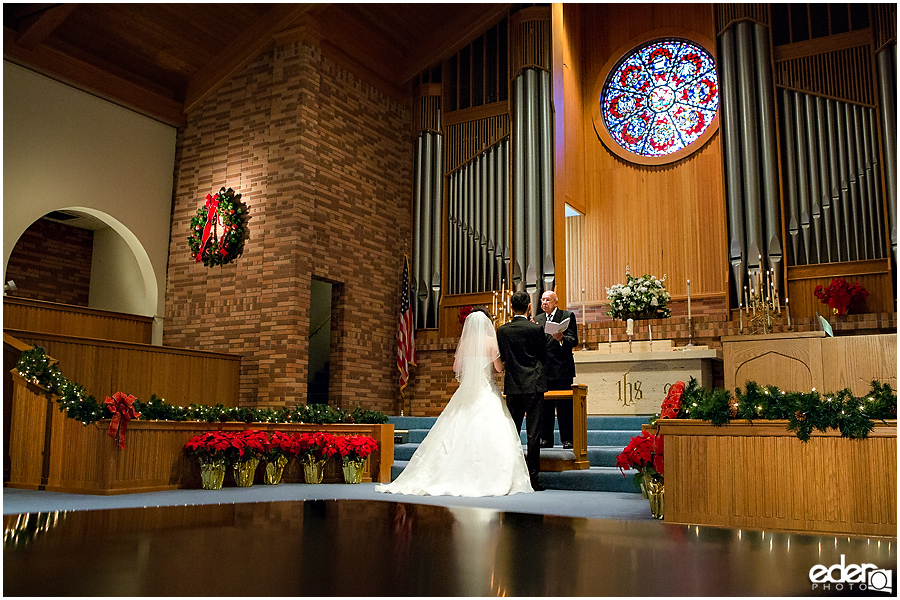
<point x="868" y="240"/>
<point x="887" y="89"/>
<point x="769" y="153"/>
<point x="824" y="188"/>
<point x="532" y="188"/>
<point x="452" y="250"/>
<point x="437" y="218"/>
<point x="875" y="177"/>
<point x="815" y="195"/>
<point x="417" y="235"/>
<point x="547" y="200"/>
<point x="518" y="216"/>
<point x="731" y="144"/>
<point x="491" y="205"/>
<point x="790" y="176"/>
<point x="834" y="183"/>
<point x="425" y="224"/>
<point x="477" y="203"/>
<point x="844" y="179"/>
<point x="505" y="218"/>
<point x="852" y="183"/>
<point x="750" y="150"/>
<point x="802" y="177"/>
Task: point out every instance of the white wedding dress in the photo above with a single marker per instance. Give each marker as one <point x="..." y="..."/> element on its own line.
<point x="473" y="449"/>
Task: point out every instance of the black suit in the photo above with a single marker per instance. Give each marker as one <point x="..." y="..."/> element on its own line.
<point x="523" y="351"/>
<point x="560" y="372"/>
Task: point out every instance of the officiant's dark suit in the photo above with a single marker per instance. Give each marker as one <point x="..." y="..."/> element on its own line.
<point x="523" y="350"/>
<point x="559" y="370"/>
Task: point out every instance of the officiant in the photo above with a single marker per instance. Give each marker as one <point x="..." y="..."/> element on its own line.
<point x="559" y="369"/>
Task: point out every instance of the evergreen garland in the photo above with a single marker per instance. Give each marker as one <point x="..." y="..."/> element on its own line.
<point x="854" y="417"/>
<point x="34" y="366"/>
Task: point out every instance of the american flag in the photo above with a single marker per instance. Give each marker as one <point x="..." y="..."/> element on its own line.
<point x="406" y="341"/>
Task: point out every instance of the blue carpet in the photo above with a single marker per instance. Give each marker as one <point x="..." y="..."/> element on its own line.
<point x="567" y="503"/>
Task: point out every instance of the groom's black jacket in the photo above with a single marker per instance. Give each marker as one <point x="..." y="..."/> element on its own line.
<point x="523" y="350"/>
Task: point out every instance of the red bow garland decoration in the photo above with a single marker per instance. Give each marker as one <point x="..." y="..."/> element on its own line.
<point x="123" y="411"/>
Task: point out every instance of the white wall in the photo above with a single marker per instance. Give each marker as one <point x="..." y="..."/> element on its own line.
<point x="65" y="149"/>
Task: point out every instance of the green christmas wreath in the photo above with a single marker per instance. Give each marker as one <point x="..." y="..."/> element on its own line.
<point x="219" y="229"/>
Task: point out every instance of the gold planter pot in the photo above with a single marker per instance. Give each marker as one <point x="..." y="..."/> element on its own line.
<point x="245" y="471"/>
<point x="353" y="470"/>
<point x="313" y="470"/>
<point x="656" y="490"/>
<point x="212" y="475"/>
<point x="274" y="470"/>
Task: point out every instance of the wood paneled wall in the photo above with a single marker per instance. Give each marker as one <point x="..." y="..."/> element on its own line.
<point x="182" y="377"/>
<point x="66" y="319"/>
<point x="662" y="220"/>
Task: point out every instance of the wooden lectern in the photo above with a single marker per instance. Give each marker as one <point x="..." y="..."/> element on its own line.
<point x="553" y="459"/>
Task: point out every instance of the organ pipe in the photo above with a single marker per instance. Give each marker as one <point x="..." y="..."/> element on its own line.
<point x="425" y="224"/>
<point x="417" y="235"/>
<point x="518" y="215"/>
<point x="876" y="197"/>
<point x="865" y="216"/>
<point x="437" y="218"/>
<point x="887" y="89"/>
<point x="768" y="146"/>
<point x="730" y="137"/>
<point x="834" y="184"/>
<point x="546" y="145"/>
<point x="815" y="196"/>
<point x="802" y="179"/>
<point x="854" y="223"/>
<point x="824" y="188"/>
<point x="791" y="177"/>
<point x="843" y="178"/>
<point x="749" y="147"/>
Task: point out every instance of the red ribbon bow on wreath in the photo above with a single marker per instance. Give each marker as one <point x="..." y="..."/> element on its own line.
<point x="123" y="411"/>
<point x="212" y="217"/>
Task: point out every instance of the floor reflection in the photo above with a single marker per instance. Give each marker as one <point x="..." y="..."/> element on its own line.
<point x="368" y="548"/>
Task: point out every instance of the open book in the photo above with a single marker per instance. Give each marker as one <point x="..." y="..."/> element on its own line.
<point x="551" y="327"/>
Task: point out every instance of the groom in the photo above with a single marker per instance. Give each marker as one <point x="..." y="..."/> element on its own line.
<point x="523" y="350"/>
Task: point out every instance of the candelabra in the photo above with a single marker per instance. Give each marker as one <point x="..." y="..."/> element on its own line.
<point x="761" y="303"/>
<point x="501" y="310"/>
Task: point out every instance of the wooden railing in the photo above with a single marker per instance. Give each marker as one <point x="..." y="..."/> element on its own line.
<point x="66" y="319"/>
<point x="103" y="367"/>
<point x="50" y="451"/>
<point x="759" y="475"/>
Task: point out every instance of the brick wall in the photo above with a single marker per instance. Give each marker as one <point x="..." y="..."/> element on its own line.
<point x="324" y="162"/>
<point x="52" y="262"/>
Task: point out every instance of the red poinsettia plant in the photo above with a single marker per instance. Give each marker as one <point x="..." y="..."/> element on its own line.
<point x="671" y="406"/>
<point x="278" y="445"/>
<point x="254" y="444"/>
<point x="643" y="453"/>
<point x="316" y="446"/>
<point x="208" y="447"/>
<point x="842" y="296"/>
<point x="355" y="448"/>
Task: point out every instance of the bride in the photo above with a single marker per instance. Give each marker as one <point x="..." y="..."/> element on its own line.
<point x="474" y="448"/>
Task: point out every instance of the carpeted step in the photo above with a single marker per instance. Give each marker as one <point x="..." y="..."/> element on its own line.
<point x="603" y="456"/>
<point x="595" y="479"/>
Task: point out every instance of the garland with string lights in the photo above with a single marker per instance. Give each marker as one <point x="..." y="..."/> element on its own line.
<point x="854" y="417"/>
<point x="35" y="367"/>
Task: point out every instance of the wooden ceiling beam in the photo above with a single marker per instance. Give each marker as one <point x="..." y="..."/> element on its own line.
<point x="239" y="53"/>
<point x="456" y="34"/>
<point x="93" y="80"/>
<point x="34" y="29"/>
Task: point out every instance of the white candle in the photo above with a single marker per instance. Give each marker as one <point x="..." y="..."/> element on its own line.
<point x="629" y="327"/>
<point x="650" y="331"/>
<point x="689" y="297"/>
<point x="787" y="307"/>
<point x="610" y="337"/>
<point x="741" y="313"/>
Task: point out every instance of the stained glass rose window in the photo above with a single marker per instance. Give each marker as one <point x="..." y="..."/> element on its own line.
<point x="660" y="98"/>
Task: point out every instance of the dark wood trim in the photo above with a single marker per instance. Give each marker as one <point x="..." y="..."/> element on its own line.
<point x="841" y="269"/>
<point x="59" y="306"/>
<point x="823" y="45"/>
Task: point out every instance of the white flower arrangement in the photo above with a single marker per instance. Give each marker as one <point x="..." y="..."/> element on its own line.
<point x="643" y="298"/>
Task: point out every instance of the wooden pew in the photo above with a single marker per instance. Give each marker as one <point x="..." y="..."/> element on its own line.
<point x="556" y="459"/>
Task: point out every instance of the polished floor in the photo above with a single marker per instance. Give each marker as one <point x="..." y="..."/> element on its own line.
<point x="387" y="546"/>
